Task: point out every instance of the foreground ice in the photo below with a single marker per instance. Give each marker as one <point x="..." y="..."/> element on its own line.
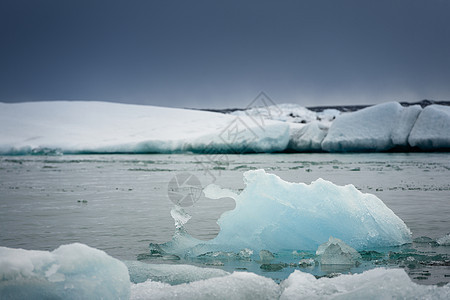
<point x="239" y="285"/>
<point x="73" y="271"/>
<point x="77" y="271"/>
<point x="272" y="214"/>
<point x="373" y="284"/>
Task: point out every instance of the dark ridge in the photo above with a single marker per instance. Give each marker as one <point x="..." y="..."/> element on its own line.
<point x="342" y="108"/>
<point x="220" y="110"/>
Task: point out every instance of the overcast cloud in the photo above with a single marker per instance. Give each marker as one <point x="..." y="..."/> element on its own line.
<point x="223" y="53"/>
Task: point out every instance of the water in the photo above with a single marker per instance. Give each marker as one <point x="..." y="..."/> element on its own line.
<point x="119" y="203"/>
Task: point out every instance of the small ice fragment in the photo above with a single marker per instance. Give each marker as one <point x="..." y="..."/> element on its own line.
<point x="266" y="255"/>
<point x="444" y="241"/>
<point x="245" y="253"/>
<point x="307" y="262"/>
<point x="180" y="216"/>
<point x="336" y="252"/>
<point x="272" y="267"/>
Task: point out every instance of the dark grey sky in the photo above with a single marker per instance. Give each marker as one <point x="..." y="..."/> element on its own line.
<point x="223" y="53"/>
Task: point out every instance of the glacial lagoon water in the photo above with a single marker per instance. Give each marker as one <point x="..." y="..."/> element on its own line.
<point x="120" y="203"/>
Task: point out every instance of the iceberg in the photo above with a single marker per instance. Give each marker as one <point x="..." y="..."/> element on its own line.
<point x="272" y="214"/>
<point x="432" y="129"/>
<point x="376" y="128"/>
<point x="73" y="271"/>
<point x="60" y="127"/>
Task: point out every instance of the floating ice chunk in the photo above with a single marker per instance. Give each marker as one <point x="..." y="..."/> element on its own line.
<point x="73" y="271"/>
<point x="432" y="128"/>
<point x="273" y="214"/>
<point x="171" y="274"/>
<point x="373" y="284"/>
<point x="306" y="262"/>
<point x="376" y="128"/>
<point x="307" y="137"/>
<point x="239" y="285"/>
<point x="444" y="241"/>
<point x="266" y="255"/>
<point x="336" y="252"/>
<point x="180" y="217"/>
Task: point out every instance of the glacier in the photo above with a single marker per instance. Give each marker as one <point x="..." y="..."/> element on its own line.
<point x="272" y="214"/>
<point x="59" y="127"/>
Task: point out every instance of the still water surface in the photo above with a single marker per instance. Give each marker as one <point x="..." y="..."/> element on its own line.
<point x="119" y="203"/>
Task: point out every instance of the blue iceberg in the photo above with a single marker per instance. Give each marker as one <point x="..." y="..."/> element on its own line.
<point x="272" y="214"/>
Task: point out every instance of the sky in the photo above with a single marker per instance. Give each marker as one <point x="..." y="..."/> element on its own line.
<point x="219" y="54"/>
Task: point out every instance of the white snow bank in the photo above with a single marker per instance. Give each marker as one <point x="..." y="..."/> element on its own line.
<point x="375" y="128"/>
<point x="73" y="271"/>
<point x="239" y="285"/>
<point x="77" y="126"/>
<point x="432" y="128"/>
<point x="373" y="284"/>
<point x="272" y="214"/>
<point x="171" y="274"/>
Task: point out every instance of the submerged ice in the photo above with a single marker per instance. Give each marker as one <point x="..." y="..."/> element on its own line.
<point x="272" y="214"/>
